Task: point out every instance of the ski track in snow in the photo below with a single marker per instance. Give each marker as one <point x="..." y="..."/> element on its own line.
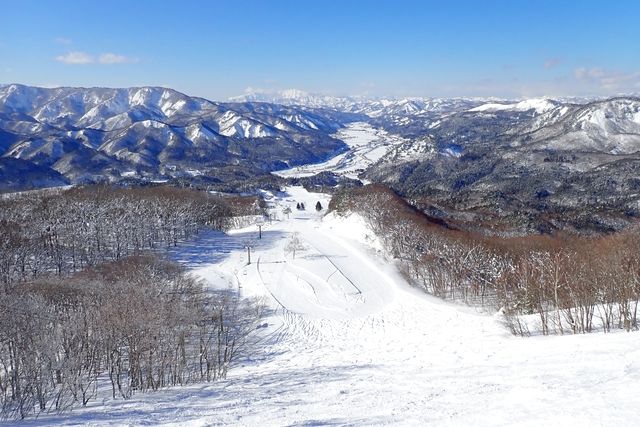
<point x="348" y="342"/>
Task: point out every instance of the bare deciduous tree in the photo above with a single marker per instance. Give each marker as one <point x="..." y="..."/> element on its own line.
<point x="294" y="244"/>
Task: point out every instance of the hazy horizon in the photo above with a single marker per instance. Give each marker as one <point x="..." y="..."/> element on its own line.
<point x="276" y="93"/>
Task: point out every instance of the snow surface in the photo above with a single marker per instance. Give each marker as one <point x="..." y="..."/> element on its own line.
<point x="540" y="105"/>
<point x="349" y="342"/>
<point x="366" y="144"/>
<point x="233" y="124"/>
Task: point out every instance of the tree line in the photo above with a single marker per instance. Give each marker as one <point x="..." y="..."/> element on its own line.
<point x="571" y="284"/>
<point x="68" y="231"/>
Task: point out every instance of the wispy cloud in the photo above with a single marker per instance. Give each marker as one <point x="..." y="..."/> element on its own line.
<point x="76" y="58"/>
<point x="63" y="40"/>
<point x="114" y="58"/>
<point x="608" y="79"/>
<point x="584" y="73"/>
<point x="552" y="63"/>
<point x="108" y="58"/>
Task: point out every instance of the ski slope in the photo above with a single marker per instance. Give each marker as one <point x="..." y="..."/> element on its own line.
<point x="366" y="144"/>
<point x="348" y="342"/>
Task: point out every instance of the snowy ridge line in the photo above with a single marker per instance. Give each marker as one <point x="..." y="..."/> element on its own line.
<point x="150" y="135"/>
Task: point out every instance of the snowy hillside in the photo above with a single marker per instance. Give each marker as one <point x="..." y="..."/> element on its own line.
<point x="530" y="164"/>
<point x="145" y="133"/>
<point x="348" y="342"/>
<point x="540" y="105"/>
<point x="610" y="126"/>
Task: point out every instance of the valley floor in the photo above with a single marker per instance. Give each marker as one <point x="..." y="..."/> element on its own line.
<point x="348" y="342"/>
<point x="366" y="145"/>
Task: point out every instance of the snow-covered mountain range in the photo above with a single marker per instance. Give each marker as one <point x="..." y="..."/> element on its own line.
<point x="372" y="107"/>
<point x="536" y="164"/>
<point x="82" y="135"/>
<point x="299" y="97"/>
<point x="459" y="155"/>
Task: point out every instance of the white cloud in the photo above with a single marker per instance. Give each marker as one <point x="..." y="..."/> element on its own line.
<point x="107" y="58"/>
<point x="75" y="58"/>
<point x="114" y="58"/>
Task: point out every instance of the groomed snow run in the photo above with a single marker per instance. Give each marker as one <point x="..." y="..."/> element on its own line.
<point x="349" y="342"/>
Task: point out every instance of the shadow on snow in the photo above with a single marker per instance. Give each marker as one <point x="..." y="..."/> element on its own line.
<point x="212" y="246"/>
<point x="274" y="391"/>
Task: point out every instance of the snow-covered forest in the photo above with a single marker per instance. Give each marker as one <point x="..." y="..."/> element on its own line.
<point x="69" y="230"/>
<point x="86" y="294"/>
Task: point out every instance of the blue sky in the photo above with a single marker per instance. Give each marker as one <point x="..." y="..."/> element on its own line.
<point x="217" y="49"/>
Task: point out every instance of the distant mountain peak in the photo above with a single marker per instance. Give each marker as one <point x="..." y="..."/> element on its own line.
<point x="297" y="97"/>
